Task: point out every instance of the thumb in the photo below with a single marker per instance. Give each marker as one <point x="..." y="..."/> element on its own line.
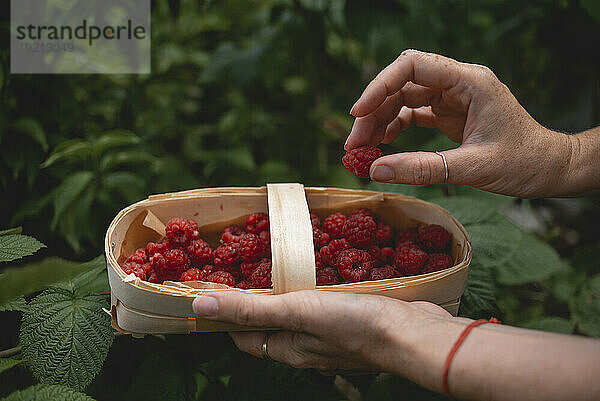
<point x="423" y="168"/>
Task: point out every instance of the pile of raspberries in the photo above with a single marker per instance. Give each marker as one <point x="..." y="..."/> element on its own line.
<point x="348" y="248"/>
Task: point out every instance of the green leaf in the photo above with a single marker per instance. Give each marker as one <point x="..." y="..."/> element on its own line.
<point x="550" y="323"/>
<point x="469" y="210"/>
<point x="17" y="304"/>
<point x="592" y="8"/>
<point x="16" y="230"/>
<point x="44" y="392"/>
<point x="128" y="184"/>
<point x="32" y="128"/>
<point x="113" y="139"/>
<point x="65" y="337"/>
<point x="25" y="279"/>
<point x="91" y="281"/>
<point x="114" y="159"/>
<point x="531" y="260"/>
<point x="68" y="191"/>
<point x="418" y="191"/>
<point x="493" y="243"/>
<point x="7" y="363"/>
<point x="69" y="150"/>
<point x="479" y="296"/>
<point x="170" y="382"/>
<point x="585" y="307"/>
<point x="16" y="246"/>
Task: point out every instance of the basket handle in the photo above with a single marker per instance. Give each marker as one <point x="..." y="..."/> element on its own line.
<point x="292" y="249"/>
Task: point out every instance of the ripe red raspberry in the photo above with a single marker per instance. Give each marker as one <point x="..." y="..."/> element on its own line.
<point x="170" y="265"/>
<point x="234" y="270"/>
<point x="433" y="237"/>
<point x="140" y="257"/>
<point x="334" y="225"/>
<point x="328" y="276"/>
<point x="251" y="248"/>
<point x="192" y="274"/>
<point x="247" y="268"/>
<point x="147" y="268"/>
<point x="232" y="234"/>
<point x="244" y="285"/>
<point x="181" y="231"/>
<point x="384" y="234"/>
<point x="318" y="261"/>
<point x="408" y="234"/>
<point x="387" y="255"/>
<point x="256" y="222"/>
<point x="363" y="211"/>
<point x="227" y="254"/>
<point x="135" y="269"/>
<point x="320" y="239"/>
<point x="261" y="277"/>
<point x="158" y="247"/>
<point x="360" y="231"/>
<point x="436" y="262"/>
<point x="221" y="277"/>
<point x="315" y="221"/>
<point x="329" y="253"/>
<point x="200" y="252"/>
<point x="354" y="264"/>
<point x="265" y="237"/>
<point x="375" y="253"/>
<point x="409" y="260"/>
<point x="359" y="160"/>
<point x="206" y="271"/>
<point x="154" y="278"/>
<point x="381" y="273"/>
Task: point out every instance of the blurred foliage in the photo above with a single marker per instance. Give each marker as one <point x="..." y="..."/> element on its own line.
<point x="244" y="93"/>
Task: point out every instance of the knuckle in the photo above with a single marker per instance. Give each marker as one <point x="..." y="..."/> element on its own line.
<point x="410" y="53"/>
<point x="244" y="312"/>
<point x="421" y="171"/>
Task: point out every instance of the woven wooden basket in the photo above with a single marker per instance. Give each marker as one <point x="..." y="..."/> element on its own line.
<point x="139" y="307"/>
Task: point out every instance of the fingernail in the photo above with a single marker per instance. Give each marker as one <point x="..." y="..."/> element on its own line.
<point x="353" y="107"/>
<point x="346" y="144"/>
<point x="382" y="173"/>
<point x="205" y="306"/>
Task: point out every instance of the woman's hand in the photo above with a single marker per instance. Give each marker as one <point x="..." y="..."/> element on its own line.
<point x="324" y="330"/>
<point x="503" y="149"/>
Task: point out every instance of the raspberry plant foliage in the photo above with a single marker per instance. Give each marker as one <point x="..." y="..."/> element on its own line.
<point x="45" y="392"/>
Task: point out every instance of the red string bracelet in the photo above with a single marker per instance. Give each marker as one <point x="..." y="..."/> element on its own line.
<point x="455" y="348"/>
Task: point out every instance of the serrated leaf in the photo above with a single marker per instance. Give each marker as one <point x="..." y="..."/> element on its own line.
<point x="16" y="230"/>
<point x="113" y="139"/>
<point x="93" y="280"/>
<point x="550" y="323"/>
<point x="469" y="210"/>
<point x="44" y="392"/>
<point x="32" y="128"/>
<point x="585" y="307"/>
<point x="71" y="149"/>
<point x="68" y="191"/>
<point x="25" y="279"/>
<point x="18" y="304"/>
<point x="493" y="243"/>
<point x="170" y="382"/>
<point x="65" y="337"/>
<point x="479" y="296"/>
<point x="16" y="246"/>
<point x="7" y="363"/>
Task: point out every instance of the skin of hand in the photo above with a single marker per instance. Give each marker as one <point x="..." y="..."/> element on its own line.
<point x="503" y="149"/>
<point x="336" y="332"/>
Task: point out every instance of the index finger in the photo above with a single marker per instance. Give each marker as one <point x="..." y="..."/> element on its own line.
<point x="426" y="69"/>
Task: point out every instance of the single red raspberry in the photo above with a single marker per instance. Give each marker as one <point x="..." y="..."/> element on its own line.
<point x="181" y="231"/>
<point x="206" y="271"/>
<point x="232" y="234"/>
<point x="387" y="254"/>
<point x="354" y="264"/>
<point x="227" y="254"/>
<point x="436" y="262"/>
<point x="407" y="244"/>
<point x="158" y="247"/>
<point x="200" y="252"/>
<point x="359" y="160"/>
<point x="247" y="268"/>
<point x="154" y="278"/>
<point x="315" y="221"/>
<point x="328" y="276"/>
<point x="375" y="253"/>
<point x="320" y="239"/>
<point x="360" y="231"/>
<point x="251" y="248"/>
<point x="409" y="260"/>
<point x="244" y="285"/>
<point x="318" y="261"/>
<point x="192" y="274"/>
<point x="363" y="211"/>
<point x="140" y="257"/>
<point x="265" y="237"/>
<point x="171" y="264"/>
<point x="381" y="273"/>
<point x="234" y="270"/>
<point x="384" y="234"/>
<point x="408" y="234"/>
<point x="433" y="237"/>
<point x="221" y="277"/>
<point x="256" y="222"/>
<point x="135" y="269"/>
<point x="334" y="225"/>
<point x="261" y="277"/>
<point x="329" y="253"/>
